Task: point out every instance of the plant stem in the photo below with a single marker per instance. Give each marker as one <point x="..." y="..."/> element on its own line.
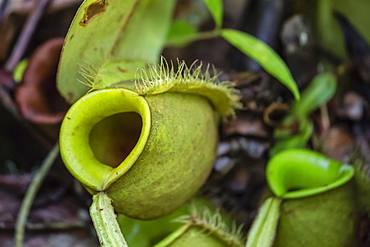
<point x="263" y="230"/>
<point x="195" y="37"/>
<point x="31" y="193"/>
<point x="26" y="34"/>
<point x="105" y="222"/>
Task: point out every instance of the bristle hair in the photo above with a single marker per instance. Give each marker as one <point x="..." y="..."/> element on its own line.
<point x="166" y="76"/>
<point x="213" y="223"/>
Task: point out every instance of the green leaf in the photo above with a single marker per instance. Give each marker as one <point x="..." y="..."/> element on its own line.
<point x="19" y="70"/>
<point x="288" y="140"/>
<point x="148" y="232"/>
<point x="295" y="141"/>
<point x="263" y="54"/>
<point x="320" y="90"/>
<point x="145" y="233"/>
<point x="105" y="31"/>
<point x="216" y="9"/>
<point x="179" y="31"/>
<point x="327" y="31"/>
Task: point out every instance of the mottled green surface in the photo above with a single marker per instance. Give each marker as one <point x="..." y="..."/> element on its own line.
<point x="362" y="181"/>
<point x="319" y="205"/>
<point x="176" y="160"/>
<point x="326" y="220"/>
<point x="171" y="160"/>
